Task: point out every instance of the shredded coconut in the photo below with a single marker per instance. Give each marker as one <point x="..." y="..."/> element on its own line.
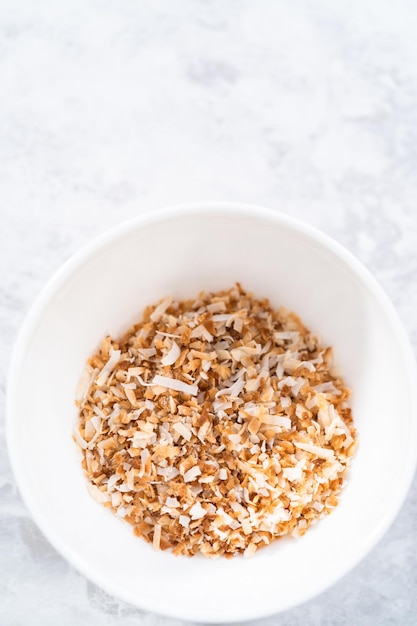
<point x="215" y="425"/>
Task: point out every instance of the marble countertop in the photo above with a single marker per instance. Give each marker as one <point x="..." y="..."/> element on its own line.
<point x="111" y="109"/>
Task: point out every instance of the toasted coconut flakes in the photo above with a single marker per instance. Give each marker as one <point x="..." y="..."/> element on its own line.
<point x="176" y="385"/>
<point x="222" y="456"/>
<point x="287" y="336"/>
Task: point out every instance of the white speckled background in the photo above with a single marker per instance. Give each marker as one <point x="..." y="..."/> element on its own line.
<point x="108" y="109"/>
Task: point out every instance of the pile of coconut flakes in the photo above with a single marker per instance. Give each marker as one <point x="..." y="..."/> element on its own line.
<point x="215" y="425"/>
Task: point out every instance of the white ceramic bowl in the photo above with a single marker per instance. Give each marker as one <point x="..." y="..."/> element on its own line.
<point x="103" y="289"/>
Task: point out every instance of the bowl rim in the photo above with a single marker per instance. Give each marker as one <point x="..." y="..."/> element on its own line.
<point x="100" y="242"/>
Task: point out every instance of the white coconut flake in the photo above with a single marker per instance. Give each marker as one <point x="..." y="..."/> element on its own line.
<point x="172" y="355"/>
<point x="122" y="511"/>
<point x="287" y="335"/>
<point x="89" y="430"/>
<point x="250" y="550"/>
<point x="277" y="420"/>
<point x="322" y="453"/>
<point x="147" y="353"/>
<point x="84" y="385"/>
<point x="224" y="518"/>
<point x="175" y="384"/>
<point x="192" y="474"/>
<point x="294" y="473"/>
<point x="182" y="430"/>
<point x="169" y="473"/>
<point x="97" y="494"/>
<point x="298" y="385"/>
<point x="157" y="529"/>
<point x="144" y="455"/>
<point x="113" y="480"/>
<point x="238" y="324"/>
<point x="221" y="317"/>
<point x="234" y="390"/>
<point x="216" y="307"/>
<point x="171" y="335"/>
<point x="327" y="388"/>
<point x="197" y="511"/>
<point x="285" y="402"/>
<point x="81" y="442"/>
<point x="172" y="502"/>
<point x="108" y="367"/>
<point x="184" y="520"/>
<point x="308" y="365"/>
<point x="201" y="331"/>
<point x="160" y="309"/>
<point x="99" y="412"/>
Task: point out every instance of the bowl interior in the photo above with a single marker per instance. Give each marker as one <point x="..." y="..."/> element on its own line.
<point x="104" y="290"/>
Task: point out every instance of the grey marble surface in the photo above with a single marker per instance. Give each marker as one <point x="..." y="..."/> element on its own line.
<point x="109" y="109"/>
